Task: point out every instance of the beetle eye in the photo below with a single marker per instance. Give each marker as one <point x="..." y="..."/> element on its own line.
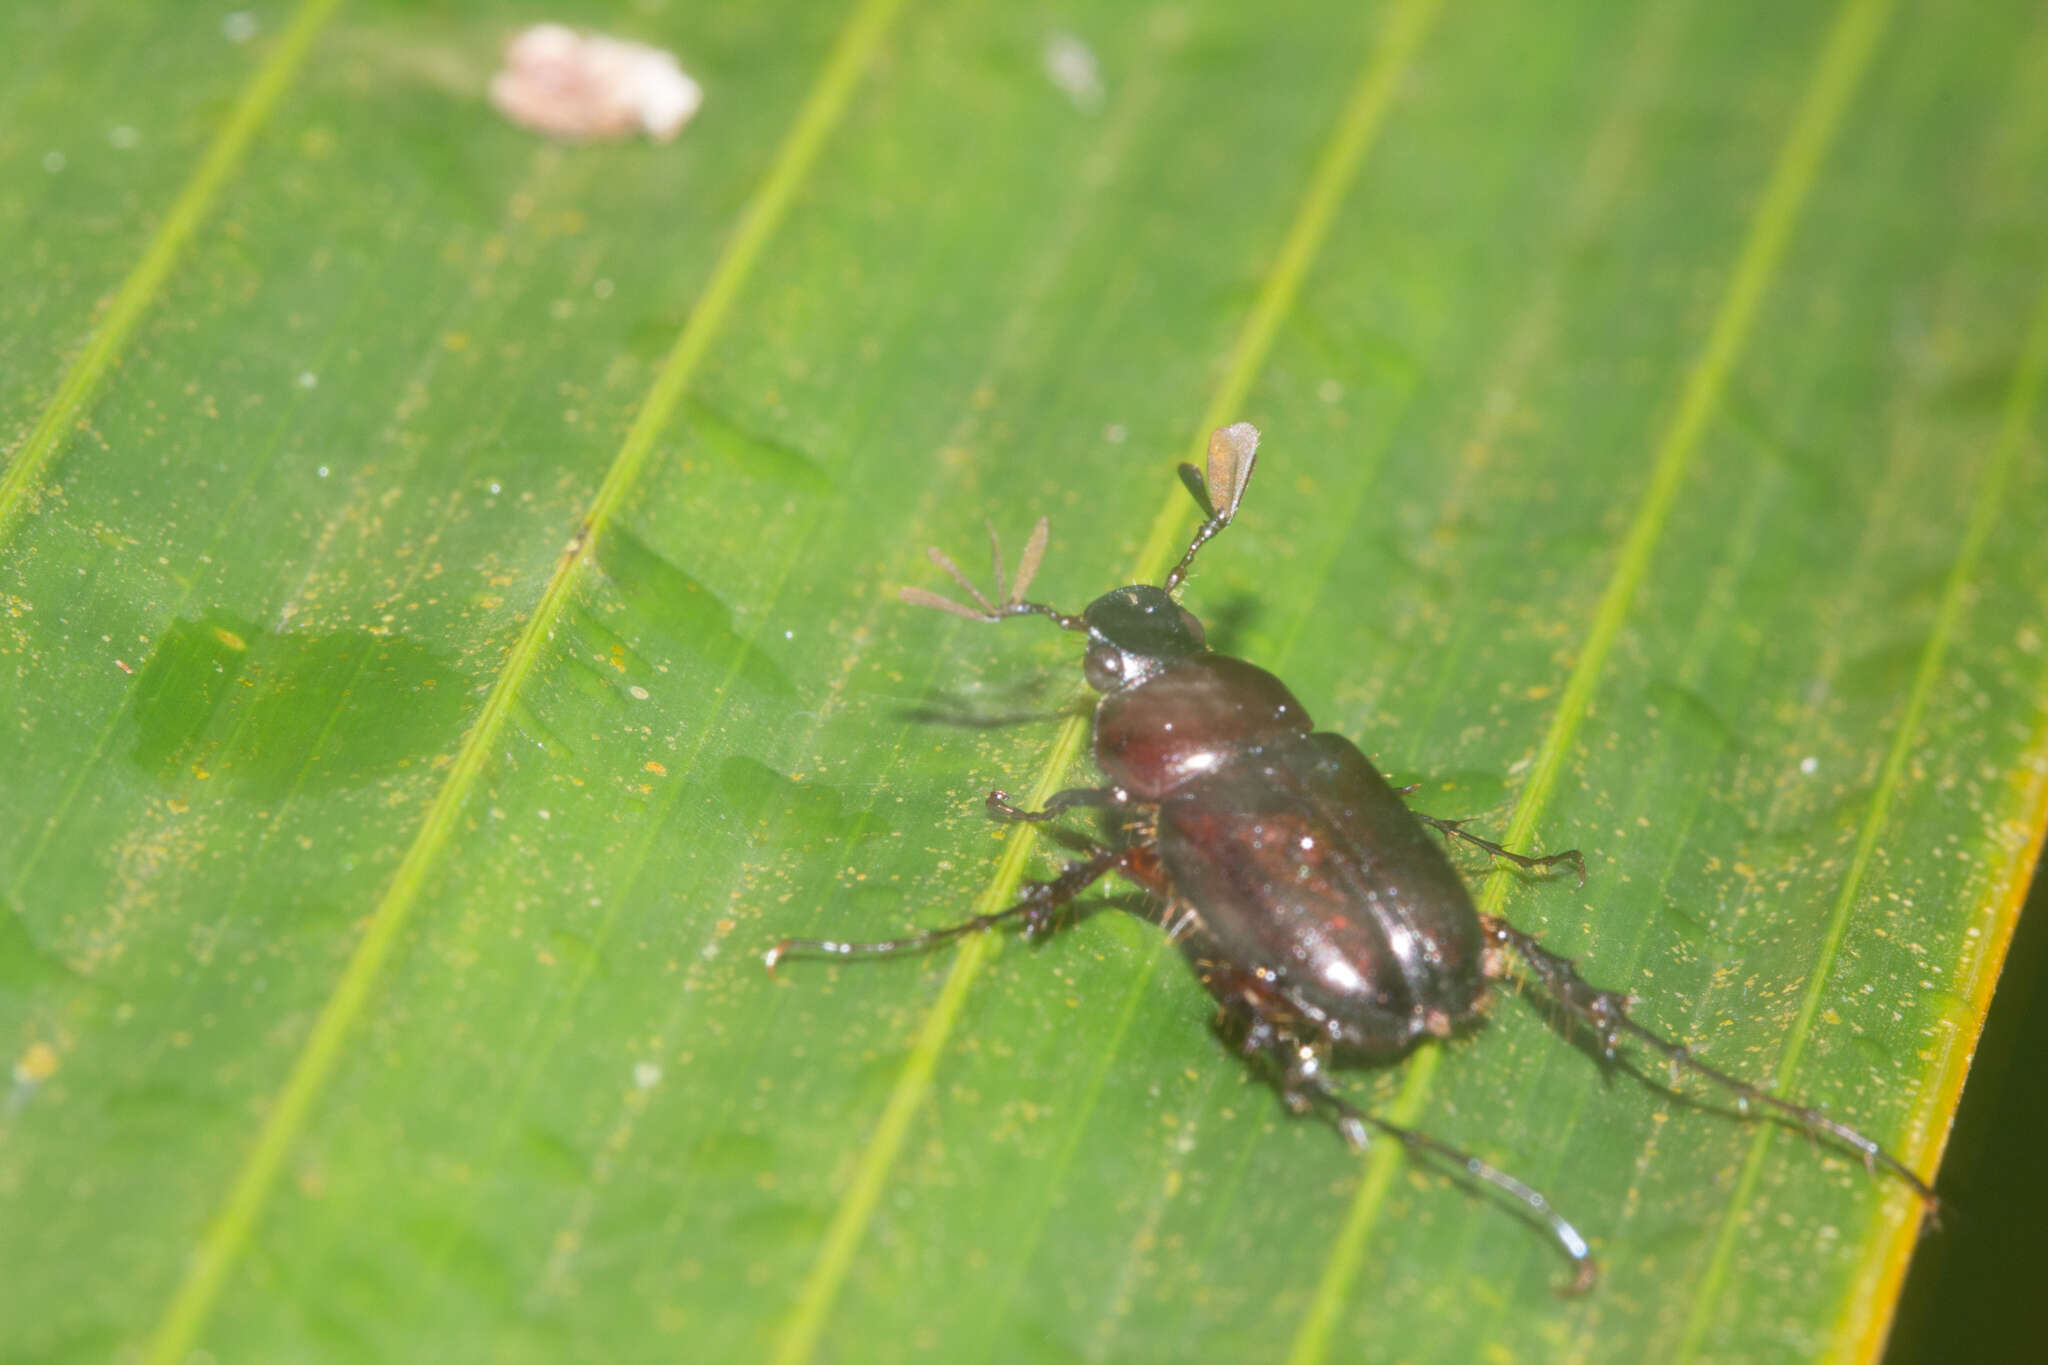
<point x="1193" y="625"/>
<point x="1104" y="667"/>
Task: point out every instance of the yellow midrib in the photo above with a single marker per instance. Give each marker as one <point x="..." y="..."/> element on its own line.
<point x="2021" y="400"/>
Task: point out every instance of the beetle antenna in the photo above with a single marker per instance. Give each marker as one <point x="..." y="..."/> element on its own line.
<point x="1232" y="452"/>
<point x="1009" y="599"/>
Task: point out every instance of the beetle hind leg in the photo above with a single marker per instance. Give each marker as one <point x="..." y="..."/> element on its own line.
<point x="1274" y="1028"/>
<point x="1606" y="1015"/>
<point x="1308" y="1089"/>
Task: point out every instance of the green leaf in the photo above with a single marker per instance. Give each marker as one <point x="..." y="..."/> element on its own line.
<point x="450" y="633"/>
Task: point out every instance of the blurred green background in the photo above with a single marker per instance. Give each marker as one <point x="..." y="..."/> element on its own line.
<point x="448" y="631"/>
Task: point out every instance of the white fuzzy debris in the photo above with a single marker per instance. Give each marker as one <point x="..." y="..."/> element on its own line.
<point x="584" y="87"/>
<point x="1071" y="66"/>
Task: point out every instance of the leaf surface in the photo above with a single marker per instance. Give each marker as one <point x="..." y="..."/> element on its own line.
<point x="451" y="631"/>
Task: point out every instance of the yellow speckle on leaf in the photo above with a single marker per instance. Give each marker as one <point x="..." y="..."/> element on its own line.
<point x="37" y="1064"/>
<point x="230" y="639"/>
<point x="657" y="769"/>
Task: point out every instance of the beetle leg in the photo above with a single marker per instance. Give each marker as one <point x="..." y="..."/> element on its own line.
<point x="1254" y="1000"/>
<point x="1527" y="862"/>
<point x="1103" y="797"/>
<point x="1352" y="1123"/>
<point x="1605" y="1014"/>
<point x="1179" y="920"/>
<point x="1295" y="1039"/>
<point x="1038" y="907"/>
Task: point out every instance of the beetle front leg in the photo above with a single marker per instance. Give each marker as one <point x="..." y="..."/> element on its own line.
<point x="1038" y="907"/>
<point x="1106" y="798"/>
<point x="1528" y="862"/>
<point x="1605" y="1014"/>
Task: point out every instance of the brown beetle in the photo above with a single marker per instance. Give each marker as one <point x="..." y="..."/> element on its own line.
<point x="1311" y="900"/>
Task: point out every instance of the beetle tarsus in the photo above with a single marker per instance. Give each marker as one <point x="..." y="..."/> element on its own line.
<point x="1605" y="1014"/>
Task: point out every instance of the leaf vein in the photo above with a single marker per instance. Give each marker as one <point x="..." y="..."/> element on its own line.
<point x="146" y="281"/>
<point x="1843" y="59"/>
<point x="221" y="1243"/>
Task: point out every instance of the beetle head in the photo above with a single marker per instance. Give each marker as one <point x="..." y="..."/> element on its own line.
<point x="1134" y="632"/>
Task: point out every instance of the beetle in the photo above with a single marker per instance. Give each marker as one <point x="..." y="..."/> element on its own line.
<point x="1311" y="900"/>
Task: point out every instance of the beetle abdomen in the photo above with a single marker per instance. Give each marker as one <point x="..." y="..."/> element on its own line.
<point x="1302" y="863"/>
<point x="1190" y="720"/>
